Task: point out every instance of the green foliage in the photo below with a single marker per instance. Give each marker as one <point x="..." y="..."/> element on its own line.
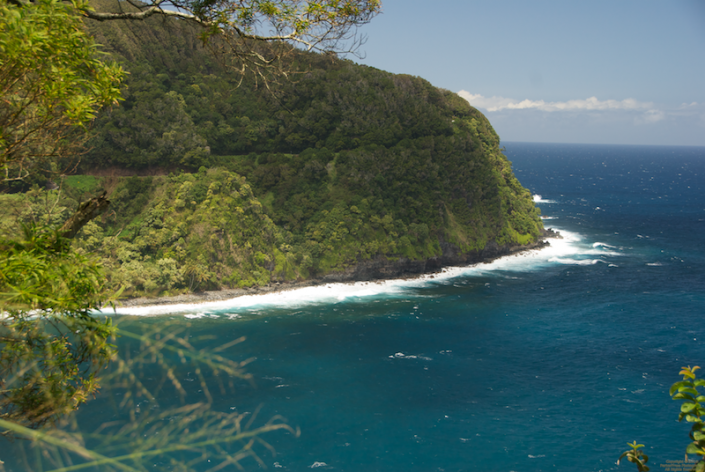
<point x="155" y="130"/>
<point x="35" y="207"/>
<point x="344" y="164"/>
<point x="692" y="410"/>
<point x="82" y="183"/>
<point x="256" y="35"/>
<point x="50" y="346"/>
<point x="157" y="424"/>
<point x="52" y="84"/>
<point x="636" y="456"/>
<point x="184" y="232"/>
<point x="216" y="233"/>
<point x="341" y="165"/>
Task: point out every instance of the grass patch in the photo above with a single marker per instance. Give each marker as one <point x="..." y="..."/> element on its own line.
<point x="82" y="183"/>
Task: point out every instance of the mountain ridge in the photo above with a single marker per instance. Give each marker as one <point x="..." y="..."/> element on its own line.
<point x="346" y="172"/>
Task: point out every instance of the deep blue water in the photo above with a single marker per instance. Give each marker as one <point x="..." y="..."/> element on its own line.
<point x="542" y="363"/>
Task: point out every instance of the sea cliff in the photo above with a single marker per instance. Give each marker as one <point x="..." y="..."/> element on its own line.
<point x="370" y="271"/>
<point x="343" y="173"/>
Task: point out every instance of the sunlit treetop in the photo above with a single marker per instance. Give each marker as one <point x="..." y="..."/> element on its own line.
<point x="53" y="81"/>
<point x="327" y="25"/>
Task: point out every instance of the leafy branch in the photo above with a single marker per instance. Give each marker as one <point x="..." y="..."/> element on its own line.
<point x="636" y="456"/>
<point x="691" y="410"/>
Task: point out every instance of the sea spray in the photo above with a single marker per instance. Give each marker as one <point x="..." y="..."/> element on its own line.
<point x="570" y="249"/>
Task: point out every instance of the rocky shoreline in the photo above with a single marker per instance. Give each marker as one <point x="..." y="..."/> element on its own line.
<point x="372" y="270"/>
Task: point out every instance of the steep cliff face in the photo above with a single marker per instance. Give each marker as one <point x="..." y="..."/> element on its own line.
<point x="380" y="268"/>
<point x="345" y="173"/>
<point x="383" y="268"/>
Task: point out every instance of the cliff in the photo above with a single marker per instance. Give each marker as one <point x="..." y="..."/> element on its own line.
<point x="343" y="173"/>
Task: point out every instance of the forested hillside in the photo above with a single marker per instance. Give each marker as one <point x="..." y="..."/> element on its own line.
<point x="340" y="166"/>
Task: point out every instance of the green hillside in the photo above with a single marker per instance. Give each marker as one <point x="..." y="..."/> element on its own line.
<point x="339" y="168"/>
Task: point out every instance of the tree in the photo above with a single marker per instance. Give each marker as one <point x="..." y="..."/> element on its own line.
<point x="51" y="348"/>
<point x="52" y="84"/>
<point x="259" y="35"/>
<point x="314" y="25"/>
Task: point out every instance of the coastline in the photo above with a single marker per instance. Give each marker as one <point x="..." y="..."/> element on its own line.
<point x="366" y="271"/>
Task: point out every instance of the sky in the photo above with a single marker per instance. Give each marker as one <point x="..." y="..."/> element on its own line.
<point x="602" y="72"/>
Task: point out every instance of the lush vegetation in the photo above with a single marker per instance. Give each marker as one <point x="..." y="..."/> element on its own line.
<point x="53" y="81"/>
<point x="241" y="186"/>
<point x="52" y="84"/>
<point x="51" y="346"/>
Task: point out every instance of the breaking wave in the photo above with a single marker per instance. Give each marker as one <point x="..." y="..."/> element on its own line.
<point x="570" y="249"/>
<point x="540" y="199"/>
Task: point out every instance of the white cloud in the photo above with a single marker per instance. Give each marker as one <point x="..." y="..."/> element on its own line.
<point x="594" y="121"/>
<point x="589" y="104"/>
<point x="689" y="105"/>
<point x="650" y="116"/>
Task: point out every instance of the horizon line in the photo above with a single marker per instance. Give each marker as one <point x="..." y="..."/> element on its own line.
<point x="602" y="144"/>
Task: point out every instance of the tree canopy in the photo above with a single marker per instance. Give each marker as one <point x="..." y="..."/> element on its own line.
<point x="315" y="25"/>
<point x="51" y="348"/>
<point x="257" y="35"/>
<point x="53" y="80"/>
<point x="52" y="84"/>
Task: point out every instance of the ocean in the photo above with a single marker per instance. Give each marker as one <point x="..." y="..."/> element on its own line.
<point x="551" y="360"/>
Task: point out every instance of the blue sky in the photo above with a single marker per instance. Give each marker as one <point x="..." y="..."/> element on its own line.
<point x="611" y="72"/>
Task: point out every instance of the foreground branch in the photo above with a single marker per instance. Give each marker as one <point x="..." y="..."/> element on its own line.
<point x="141" y="15"/>
<point x="87" y="211"/>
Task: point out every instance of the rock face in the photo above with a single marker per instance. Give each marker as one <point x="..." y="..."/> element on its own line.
<point x="380" y="268"/>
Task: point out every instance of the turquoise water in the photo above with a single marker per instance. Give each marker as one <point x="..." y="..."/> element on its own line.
<point x="550" y="361"/>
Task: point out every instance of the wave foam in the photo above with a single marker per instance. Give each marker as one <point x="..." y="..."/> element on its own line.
<point x="401" y="355"/>
<point x="567" y="250"/>
<point x="599" y="244"/>
<point x="604" y="249"/>
<point x="329" y="293"/>
<point x="568" y="260"/>
<point x="539" y="199"/>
